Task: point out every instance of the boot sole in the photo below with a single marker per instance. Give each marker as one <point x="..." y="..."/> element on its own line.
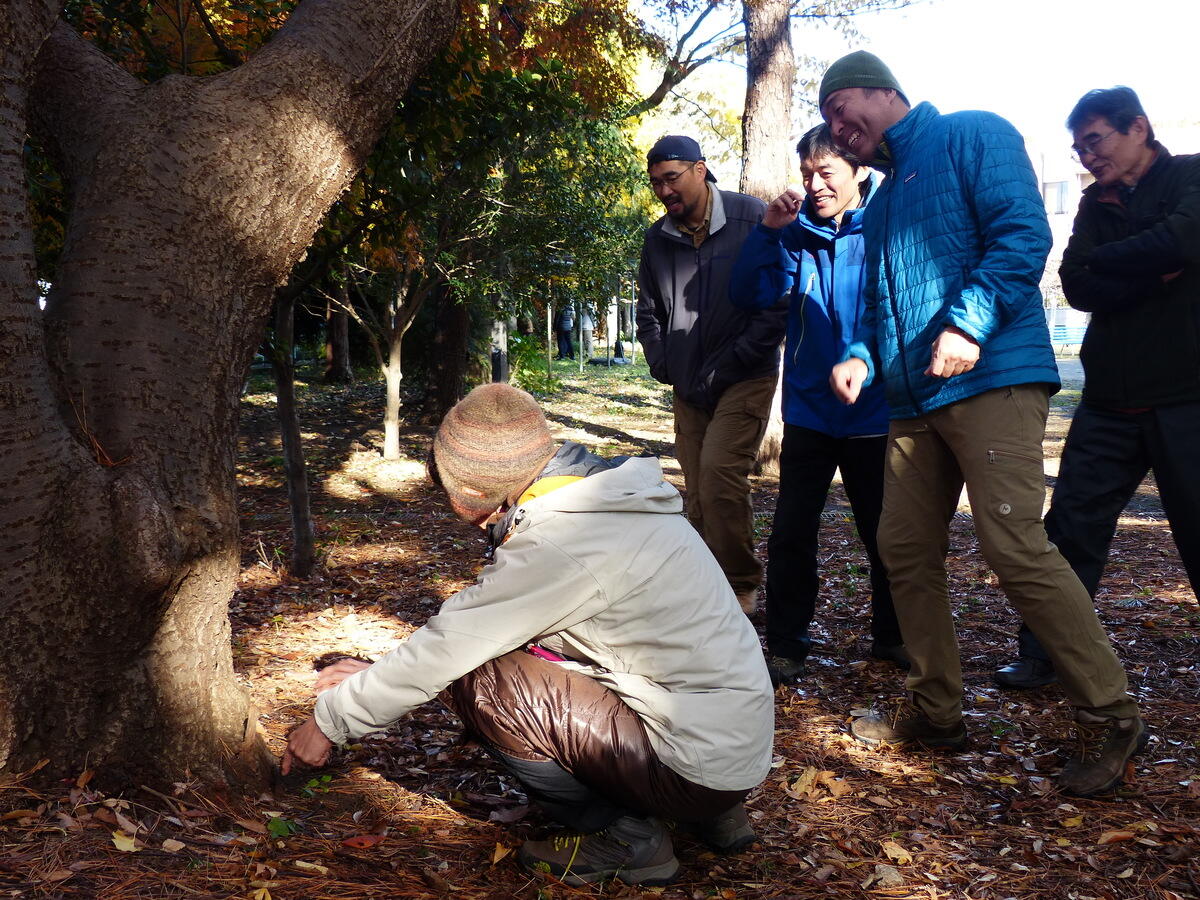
<point x="1142" y="741"/>
<point x="661" y="874"/>
<point x="952" y="742"/>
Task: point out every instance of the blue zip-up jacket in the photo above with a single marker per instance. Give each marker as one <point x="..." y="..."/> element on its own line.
<point x="957" y="235"/>
<point x="821" y="267"/>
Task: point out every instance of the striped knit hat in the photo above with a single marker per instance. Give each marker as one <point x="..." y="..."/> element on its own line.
<point x="490" y="446"/>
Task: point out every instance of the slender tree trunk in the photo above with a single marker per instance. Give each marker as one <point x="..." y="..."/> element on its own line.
<point x="450" y="353"/>
<point x="393" y="374"/>
<point x="770" y="80"/>
<point x="337" y="339"/>
<point x="304" y="544"/>
<point x="190" y="200"/>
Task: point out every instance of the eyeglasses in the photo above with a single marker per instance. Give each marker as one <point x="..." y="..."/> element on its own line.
<point x="669" y="179"/>
<point x="1091" y="144"/>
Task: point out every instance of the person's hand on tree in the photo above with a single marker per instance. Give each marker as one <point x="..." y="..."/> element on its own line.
<point x="954" y="352"/>
<point x="306" y="746"/>
<point x="783" y="209"/>
<point x="847" y="379"/>
<point x="335" y="674"/>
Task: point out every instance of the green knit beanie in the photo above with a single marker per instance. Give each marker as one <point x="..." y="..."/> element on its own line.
<point x="492" y="444"/>
<point x="859" y="69"/>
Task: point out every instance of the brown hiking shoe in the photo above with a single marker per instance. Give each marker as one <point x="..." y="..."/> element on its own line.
<point x="1105" y="746"/>
<point x="908" y="725"/>
<point x="637" y="851"/>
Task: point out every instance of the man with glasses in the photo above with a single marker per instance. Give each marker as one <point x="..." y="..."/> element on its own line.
<point x="956" y="240"/>
<point x="723" y="362"/>
<point x="1132" y="263"/>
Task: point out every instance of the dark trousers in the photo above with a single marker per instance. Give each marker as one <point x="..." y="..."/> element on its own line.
<point x="574" y="744"/>
<point x="806" y="466"/>
<point x="1105" y="458"/>
<point x="566" y="348"/>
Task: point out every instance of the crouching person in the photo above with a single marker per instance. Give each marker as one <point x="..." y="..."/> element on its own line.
<point x="601" y="656"/>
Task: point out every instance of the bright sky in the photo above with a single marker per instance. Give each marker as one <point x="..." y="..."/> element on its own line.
<point x="1030" y="60"/>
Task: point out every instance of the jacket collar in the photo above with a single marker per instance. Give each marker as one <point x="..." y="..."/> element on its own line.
<point x="716" y="223"/>
<point x="1121" y="194"/>
<point x="825" y="228"/>
<point x="904" y="134"/>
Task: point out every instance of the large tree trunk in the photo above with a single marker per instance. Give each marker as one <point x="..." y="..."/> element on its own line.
<point x="449" y="368"/>
<point x="191" y="199"/>
<point x="770" y="79"/>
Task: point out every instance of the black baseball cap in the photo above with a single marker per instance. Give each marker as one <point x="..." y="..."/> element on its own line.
<point x="677" y="146"/>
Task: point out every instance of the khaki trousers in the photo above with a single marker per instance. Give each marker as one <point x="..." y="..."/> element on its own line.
<point x="993" y="443"/>
<point x="716" y="452"/>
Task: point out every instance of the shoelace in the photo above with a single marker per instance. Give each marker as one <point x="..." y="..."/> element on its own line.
<point x="1092" y="738"/>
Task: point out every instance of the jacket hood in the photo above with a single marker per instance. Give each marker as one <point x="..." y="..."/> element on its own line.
<point x="824" y="228"/>
<point x="636" y="485"/>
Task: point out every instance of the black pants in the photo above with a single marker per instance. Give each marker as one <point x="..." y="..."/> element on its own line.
<point x="566" y="348"/>
<point x="1105" y="458"/>
<point x="806" y="468"/>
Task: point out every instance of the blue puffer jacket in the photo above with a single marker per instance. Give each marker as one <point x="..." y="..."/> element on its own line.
<point x="957" y="235"/>
<point x="822" y="268"/>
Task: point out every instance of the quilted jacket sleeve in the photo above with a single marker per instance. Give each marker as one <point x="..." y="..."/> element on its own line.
<point x="999" y="183"/>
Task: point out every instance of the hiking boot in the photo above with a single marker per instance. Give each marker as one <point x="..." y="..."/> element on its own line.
<point x="908" y="725"/>
<point x="1105" y="746"/>
<point x="785" y="670"/>
<point x="729" y="832"/>
<point x="637" y="851"/>
<point x="893" y="653"/>
<point x="1025" y="673"/>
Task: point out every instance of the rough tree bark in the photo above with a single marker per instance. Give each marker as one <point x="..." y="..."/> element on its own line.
<point x="770" y="79"/>
<point x="766" y="150"/>
<point x="190" y="200"/>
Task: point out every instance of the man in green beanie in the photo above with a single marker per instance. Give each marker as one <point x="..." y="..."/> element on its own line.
<point x="956" y="241"/>
<point x="600" y="657"/>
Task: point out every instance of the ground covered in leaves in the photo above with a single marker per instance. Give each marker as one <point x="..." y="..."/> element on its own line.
<point x="416" y="813"/>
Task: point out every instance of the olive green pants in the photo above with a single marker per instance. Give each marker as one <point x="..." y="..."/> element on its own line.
<point x="716" y="452"/>
<point x="992" y="442"/>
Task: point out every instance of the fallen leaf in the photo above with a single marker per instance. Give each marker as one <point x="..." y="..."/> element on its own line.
<point x="173" y="846"/>
<point x="260" y="894"/>
<point x="896" y="852"/>
<point x="124" y="842"/>
<point x="500" y="852"/>
<point x="363" y="841"/>
<point x="1128" y="873"/>
<point x="19" y="814"/>
<point x="305" y="866"/>
<point x="888" y="876"/>
<point x="84" y="778"/>
<point x="1073" y="822"/>
<point x="58" y="875"/>
<point x="1111" y="837"/>
<point x="251" y="825"/>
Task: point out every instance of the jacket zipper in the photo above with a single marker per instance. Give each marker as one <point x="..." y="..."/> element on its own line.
<point x="803" y="324"/>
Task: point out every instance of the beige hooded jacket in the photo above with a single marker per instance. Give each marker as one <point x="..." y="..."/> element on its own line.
<point x="605" y="571"/>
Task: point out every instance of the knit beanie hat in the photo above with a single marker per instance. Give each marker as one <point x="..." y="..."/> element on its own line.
<point x="493" y="443"/>
<point x="859" y="69"/>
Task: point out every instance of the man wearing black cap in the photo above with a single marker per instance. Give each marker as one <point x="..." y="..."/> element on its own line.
<point x="956" y="241"/>
<point x="722" y="362"/>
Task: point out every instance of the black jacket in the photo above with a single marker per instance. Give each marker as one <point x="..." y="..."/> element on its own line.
<point x="1142" y="345"/>
<point x="694" y="338"/>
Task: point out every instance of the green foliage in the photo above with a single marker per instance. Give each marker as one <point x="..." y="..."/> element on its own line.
<point x="527" y="365"/>
<point x="316" y="785"/>
<point x="280" y="828"/>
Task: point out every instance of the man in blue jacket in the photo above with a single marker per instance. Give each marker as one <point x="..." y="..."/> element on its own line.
<point x="809" y="247"/>
<point x="956" y="243"/>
